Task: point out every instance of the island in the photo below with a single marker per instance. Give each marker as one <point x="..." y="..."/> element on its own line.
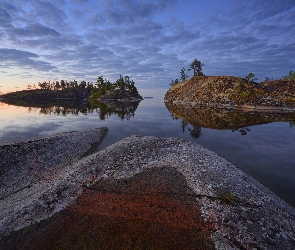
<point x="234" y="92"/>
<point x="123" y="90"/>
<point x="227" y="102"/>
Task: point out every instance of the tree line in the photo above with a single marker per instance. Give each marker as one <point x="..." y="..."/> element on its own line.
<point x="99" y="88"/>
<point x="62" y="85"/>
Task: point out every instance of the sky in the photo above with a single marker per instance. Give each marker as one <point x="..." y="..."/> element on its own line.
<point x="148" y="40"/>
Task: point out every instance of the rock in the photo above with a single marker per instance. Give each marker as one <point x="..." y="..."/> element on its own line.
<point x="121" y="95"/>
<point x="36" y="178"/>
<point x="223" y="90"/>
<point x="236" y="212"/>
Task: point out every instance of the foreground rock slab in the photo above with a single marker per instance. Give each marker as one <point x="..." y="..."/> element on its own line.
<point x="36" y="179"/>
<point x="157" y="193"/>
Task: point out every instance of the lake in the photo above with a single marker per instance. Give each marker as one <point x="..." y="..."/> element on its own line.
<point x="265" y="151"/>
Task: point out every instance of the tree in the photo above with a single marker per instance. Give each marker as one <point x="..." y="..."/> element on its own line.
<point x="174" y="82"/>
<point x="196" y="65"/>
<point x="127" y="79"/>
<point x="183" y="75"/>
<point x="99" y="81"/>
<point x="249" y="76"/>
<point x="57" y="85"/>
<point x="62" y="84"/>
<point x="291" y="74"/>
<point x="266" y="79"/>
<point x="82" y="85"/>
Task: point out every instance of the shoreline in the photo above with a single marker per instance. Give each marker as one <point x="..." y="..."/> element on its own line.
<point x="245" y="108"/>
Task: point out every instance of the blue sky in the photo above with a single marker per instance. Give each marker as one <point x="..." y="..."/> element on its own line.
<point x="148" y="40"/>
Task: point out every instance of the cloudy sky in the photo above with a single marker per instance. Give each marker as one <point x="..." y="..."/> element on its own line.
<point x="149" y="40"/>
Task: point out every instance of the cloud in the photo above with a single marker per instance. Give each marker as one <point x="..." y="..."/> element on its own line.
<point x="148" y="40"/>
<point x="33" y="30"/>
<point x="23" y="59"/>
<point x="5" y="14"/>
<point x="46" y="12"/>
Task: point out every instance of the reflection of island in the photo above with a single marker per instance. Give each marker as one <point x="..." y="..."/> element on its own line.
<point x="216" y="118"/>
<point x="53" y="107"/>
<point x="125" y="110"/>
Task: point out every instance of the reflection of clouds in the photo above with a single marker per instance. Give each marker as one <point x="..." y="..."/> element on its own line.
<point x="15" y="132"/>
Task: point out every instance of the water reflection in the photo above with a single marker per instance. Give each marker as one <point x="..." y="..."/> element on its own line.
<point x="216" y="118"/>
<point x="195" y="132"/>
<point x="123" y="110"/>
<point x="266" y="152"/>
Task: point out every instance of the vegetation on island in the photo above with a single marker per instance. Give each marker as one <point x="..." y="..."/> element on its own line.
<point x="123" y="88"/>
<point x="196" y="65"/>
<point x="290" y="76"/>
<point x="61" y="85"/>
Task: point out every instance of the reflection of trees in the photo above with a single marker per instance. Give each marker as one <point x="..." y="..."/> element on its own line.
<point x="183" y="125"/>
<point x="125" y="110"/>
<point x="243" y="131"/>
<point x="104" y="110"/>
<point x="196" y="132"/>
<point x="64" y="110"/>
<point x="292" y="123"/>
<point x="174" y="117"/>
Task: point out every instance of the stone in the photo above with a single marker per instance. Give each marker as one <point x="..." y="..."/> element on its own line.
<point x="139" y="191"/>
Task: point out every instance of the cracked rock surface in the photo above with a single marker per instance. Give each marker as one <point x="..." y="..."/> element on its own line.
<point x="36" y="179"/>
<point x="147" y="192"/>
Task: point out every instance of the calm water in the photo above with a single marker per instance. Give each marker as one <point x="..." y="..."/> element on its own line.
<point x="266" y="152"/>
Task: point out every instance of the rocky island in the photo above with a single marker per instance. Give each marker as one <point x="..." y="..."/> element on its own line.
<point x="234" y="92"/>
<point x="123" y="90"/>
